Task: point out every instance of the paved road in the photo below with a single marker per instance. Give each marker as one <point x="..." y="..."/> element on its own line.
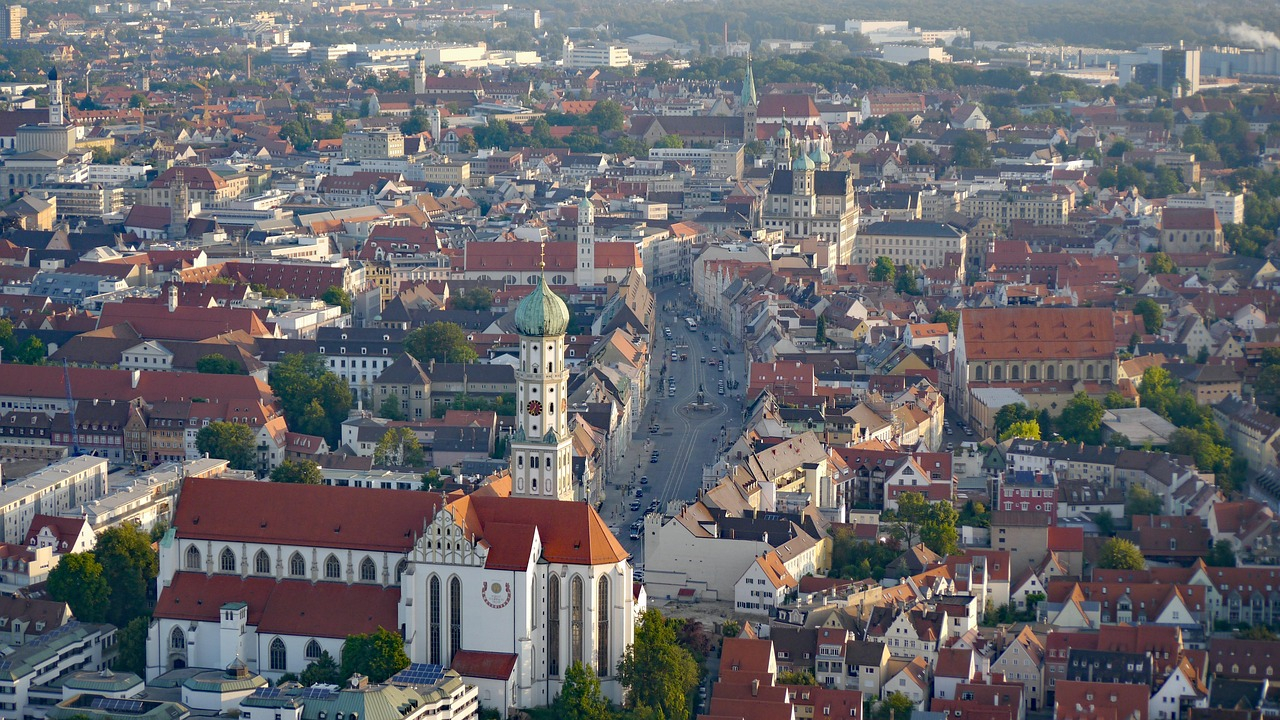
<point x="688" y="439"/>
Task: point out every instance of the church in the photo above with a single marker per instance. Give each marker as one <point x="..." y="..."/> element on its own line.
<point x="508" y="586"/>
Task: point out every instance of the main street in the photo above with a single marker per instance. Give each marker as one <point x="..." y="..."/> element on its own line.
<point x="688" y="439"/>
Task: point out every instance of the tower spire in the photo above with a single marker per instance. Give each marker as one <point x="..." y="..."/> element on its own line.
<point x="542" y="256"/>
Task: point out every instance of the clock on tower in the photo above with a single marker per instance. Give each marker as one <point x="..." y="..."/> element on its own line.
<point x="534" y="408"/>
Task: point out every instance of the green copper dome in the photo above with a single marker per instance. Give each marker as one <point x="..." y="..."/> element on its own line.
<point x="820" y="156"/>
<point x="802" y="163"/>
<point x="542" y="313"/>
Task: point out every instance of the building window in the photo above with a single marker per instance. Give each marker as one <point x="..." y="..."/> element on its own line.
<point x="227" y="560"/>
<point x="553" y="626"/>
<point x="434" y="620"/>
<point x="575" y="620"/>
<point x="277" y="655"/>
<point x="455" y="615"/>
<point x="602" y="628"/>
<point x="400" y="568"/>
<point x="297" y="566"/>
<point x="177" y="640"/>
<point x="312" y="652"/>
<point x="368" y="571"/>
<point x="262" y="563"/>
<point x="1050" y="372"/>
<point x="193" y="558"/>
<point x="332" y="568"/>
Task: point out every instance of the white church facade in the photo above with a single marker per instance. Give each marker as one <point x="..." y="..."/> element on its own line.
<point x="508" y="586"/>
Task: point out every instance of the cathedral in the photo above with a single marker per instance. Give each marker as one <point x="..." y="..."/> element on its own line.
<point x="509" y="585"/>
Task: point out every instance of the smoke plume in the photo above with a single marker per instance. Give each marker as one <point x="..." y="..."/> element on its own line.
<point x="1250" y="36"/>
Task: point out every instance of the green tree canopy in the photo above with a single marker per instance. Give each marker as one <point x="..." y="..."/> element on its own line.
<point x="315" y="400"/>
<point x="1013" y="413"/>
<point x="214" y="364"/>
<point x="883" y="270"/>
<point x="657" y="673"/>
<point x="78" y="581"/>
<point x="477" y="297"/>
<point x="131" y="643"/>
<point x="580" y="697"/>
<point x="1026" y="429"/>
<point x="1081" y="420"/>
<point x="1151" y="314"/>
<point x="389" y="408"/>
<point x="322" y="670"/>
<point x="1161" y="263"/>
<point x="796" y="677"/>
<point x="303" y="472"/>
<point x="950" y="317"/>
<point x="1120" y="554"/>
<point x="340" y="297"/>
<point x="377" y="655"/>
<point x="1222" y="554"/>
<point x="894" y="707"/>
<point x="440" y="341"/>
<point x="933" y="524"/>
<point x="1142" y="501"/>
<point x="398" y="447"/>
<point x="232" y="442"/>
<point x="129" y="565"/>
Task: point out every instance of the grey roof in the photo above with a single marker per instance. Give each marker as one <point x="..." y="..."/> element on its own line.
<point x="918" y="228"/>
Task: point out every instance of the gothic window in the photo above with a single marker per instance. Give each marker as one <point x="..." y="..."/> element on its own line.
<point x="332" y="568"/>
<point x="177" y="640"/>
<point x="553" y="626"/>
<point x="455" y="615"/>
<point x="297" y="566"/>
<point x="227" y="561"/>
<point x="434" y="620"/>
<point x="262" y="563"/>
<point x="193" y="558"/>
<point x="312" y="652"/>
<point x="400" y="568"/>
<point x="575" y="620"/>
<point x="602" y="628"/>
<point x="277" y="655"/>
<point x="368" y="571"/>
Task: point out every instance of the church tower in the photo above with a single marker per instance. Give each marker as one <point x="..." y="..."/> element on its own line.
<point x="179" y="206"/>
<point x="750" y="105"/>
<point x="56" y="111"/>
<point x="419" y="73"/>
<point x="586" y="271"/>
<point x="541" y="449"/>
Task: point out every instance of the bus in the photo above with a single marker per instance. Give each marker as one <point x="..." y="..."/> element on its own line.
<point x="693" y="325"/>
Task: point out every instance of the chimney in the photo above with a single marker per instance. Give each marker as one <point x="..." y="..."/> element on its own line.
<point x="134" y="377"/>
<point x="755" y="687"/>
<point x="173" y="298"/>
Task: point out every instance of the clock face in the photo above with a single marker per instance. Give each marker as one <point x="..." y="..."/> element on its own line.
<point x="534" y="407"/>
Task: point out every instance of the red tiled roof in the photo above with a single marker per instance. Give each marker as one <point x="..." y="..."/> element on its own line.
<point x="336" y="517"/>
<point x="1037" y="333"/>
<point x="45" y="381"/>
<point x="64" y="528"/>
<point x="285" y="607"/>
<point x="185" y="322"/>
<point x="476" y="664"/>
<point x="746" y="655"/>
<point x="571" y="533"/>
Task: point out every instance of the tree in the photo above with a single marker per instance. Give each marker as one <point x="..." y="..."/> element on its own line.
<point x="894" y="707"/>
<point x="338" y="296"/>
<point x="971" y="150"/>
<point x="1221" y="555"/>
<point x="131" y="643"/>
<point x="669" y="141"/>
<point x="377" y="655"/>
<point x="315" y="400"/>
<point x="796" y="677"/>
<point x="692" y="635"/>
<point x="933" y="523"/>
<point x="390" y="408"/>
<point x="303" y="472"/>
<point x="905" y="283"/>
<point x="1106" y="523"/>
<point x="580" y="697"/>
<point x="950" y="317"/>
<point x="1152" y="315"/>
<point x="1266" y="389"/>
<point x="883" y="270"/>
<point x="1081" y="420"/>
<point x="214" y="364"/>
<point x="731" y="628"/>
<point x="398" y="447"/>
<point x="1161" y="263"/>
<point x="1142" y="501"/>
<point x="1115" y="400"/>
<point x="606" y="115"/>
<point x="1027" y="429"/>
<point x="1119" y="440"/>
<point x="657" y="673"/>
<point x="1013" y="413"/>
<point x="478" y="297"/>
<point x="232" y="442"/>
<point x="323" y="670"/>
<point x="129" y="565"/>
<point x="78" y="581"/>
<point x="1120" y="554"/>
<point x="440" y="341"/>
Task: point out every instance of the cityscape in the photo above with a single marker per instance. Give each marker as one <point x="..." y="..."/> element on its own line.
<point x="639" y="361"/>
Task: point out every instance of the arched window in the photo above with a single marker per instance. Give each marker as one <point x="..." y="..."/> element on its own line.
<point x="602" y="628"/>
<point x="312" y="651"/>
<point x="979" y="373"/>
<point x="262" y="563"/>
<point x="332" y="568"/>
<point x="1015" y="373"/>
<point x="434" y="621"/>
<point x="455" y="615"/>
<point x="1033" y="372"/>
<point x="1051" y="372"/>
<point x="1088" y="372"/>
<point x="297" y="566"/>
<point x="278" y="656"/>
<point x="1071" y="372"/>
<point x="368" y="571"/>
<point x="227" y="561"/>
<point x="193" y="558"/>
<point x="553" y="626"/>
<point x="177" y="639"/>
<point x="997" y="372"/>
<point x="400" y="568"/>
<point x="575" y="620"/>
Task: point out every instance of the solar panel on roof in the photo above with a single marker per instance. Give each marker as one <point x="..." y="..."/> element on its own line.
<point x="316" y="693"/>
<point x="124" y="705"/>
<point x="267" y="693"/>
